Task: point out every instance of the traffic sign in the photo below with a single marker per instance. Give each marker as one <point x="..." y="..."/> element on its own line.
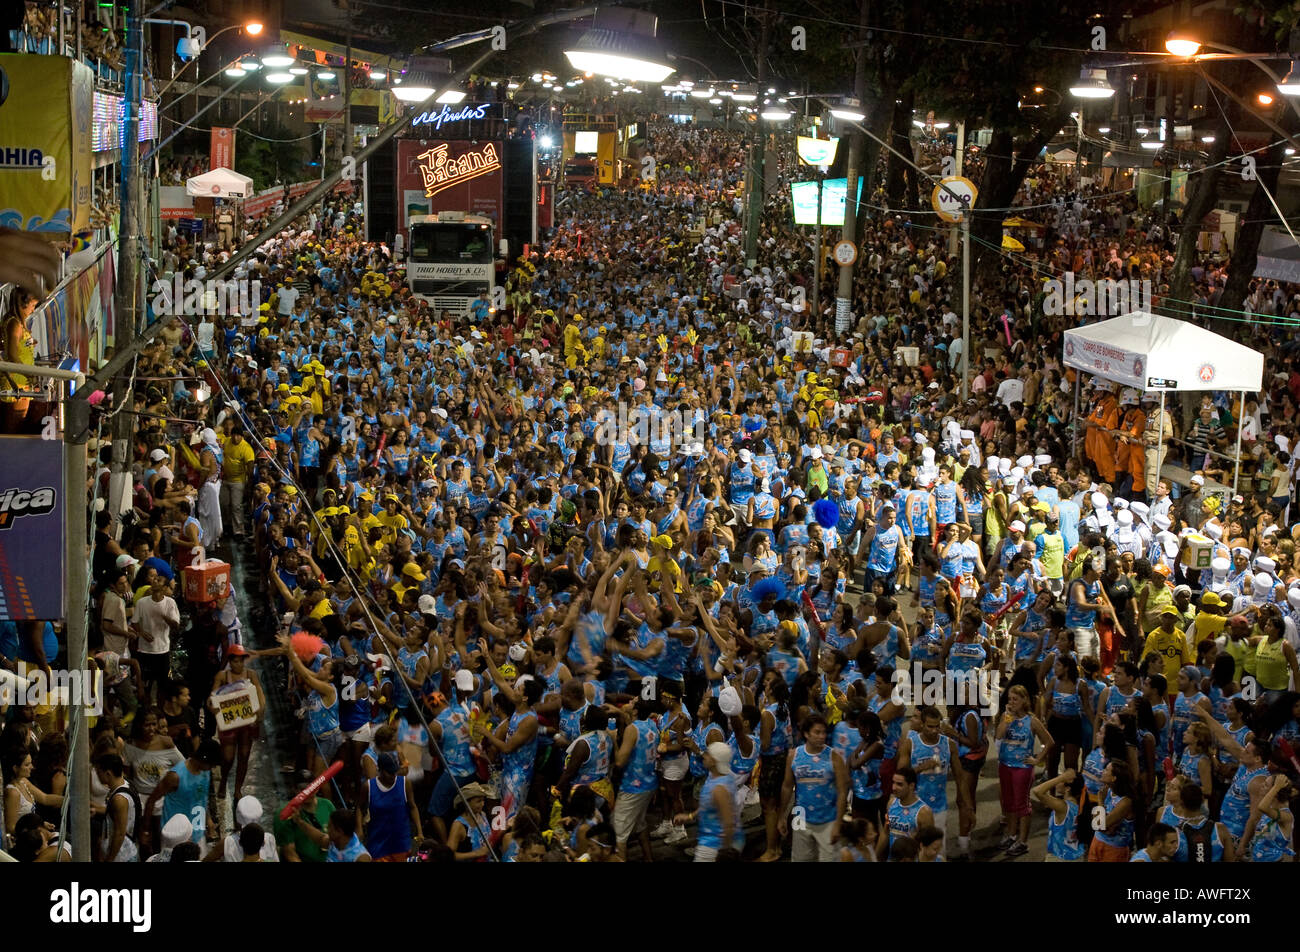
<point x="957" y="197"/>
<point x="846" y="252"/>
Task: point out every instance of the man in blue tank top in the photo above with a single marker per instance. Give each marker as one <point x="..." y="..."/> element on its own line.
<point x="184" y="791"/>
<point x="394" y="822"/>
<point x="638" y="755"/>
<point x="814" y="795"/>
<point x="934" y="758"/>
<point x="888" y="548"/>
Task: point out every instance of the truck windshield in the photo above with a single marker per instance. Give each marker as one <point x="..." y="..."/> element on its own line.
<point x="451" y="242"/>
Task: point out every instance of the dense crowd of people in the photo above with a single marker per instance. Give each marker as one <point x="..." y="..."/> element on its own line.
<point x="654" y="552"/>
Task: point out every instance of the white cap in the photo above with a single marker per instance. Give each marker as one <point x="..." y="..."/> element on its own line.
<point x="1004" y="466"/>
<point x="248" y="810"/>
<point x="158" y="455"/>
<point x="992" y="464"/>
<point x="1120" y="502"/>
<point x="209" y="436"/>
<point x="1169" y="542"/>
<point x="1025" y="462"/>
<point x="919" y="439"/>
<point x="1017" y="526"/>
<point x="729" y="701"/>
<point x="1220" y="565"/>
<point x="815" y="454"/>
<point x="1264" y="564"/>
<point x="1140" y="510"/>
<point x="1043" y="459"/>
<point x="1161" y="522"/>
<point x="1099" y="501"/>
<point x="1198" y="480"/>
<point x="518" y="652"/>
<point x="1124" y="517"/>
<point x="427" y="604"/>
<point x="1264" y="582"/>
<point x="464" y="680"/>
<point x="1293" y="597"/>
<point x="747" y="457"/>
<point x="967" y="434"/>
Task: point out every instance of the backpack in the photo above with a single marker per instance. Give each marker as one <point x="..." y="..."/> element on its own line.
<point x="1199" y="841"/>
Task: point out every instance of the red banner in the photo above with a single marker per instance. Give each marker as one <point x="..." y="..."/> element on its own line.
<point x="223" y="148"/>
<point x="261" y="203"/>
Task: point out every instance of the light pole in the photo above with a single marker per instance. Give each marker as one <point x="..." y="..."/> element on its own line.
<point x="252" y="28"/>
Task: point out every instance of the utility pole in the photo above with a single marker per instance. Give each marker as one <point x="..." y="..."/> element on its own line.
<point x="76" y="430"/>
<point x="127" y="293"/>
<point x="347" y="87"/>
<point x="844" y="293"/>
<point x="755" y="185"/>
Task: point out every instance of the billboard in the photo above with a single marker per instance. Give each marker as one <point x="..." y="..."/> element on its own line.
<point x="804" y="200"/>
<point x="31" y="528"/>
<point x="457" y="175"/>
<point x="46" y="110"/>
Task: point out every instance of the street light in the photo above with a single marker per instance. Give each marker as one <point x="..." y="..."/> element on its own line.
<point x="621" y="43"/>
<point x="776" y="115"/>
<point x="1290" y="83"/>
<point x="1182" y="44"/>
<point x="1092" y="84"/>
<point x="849" y="115"/>
<point x="422" y="78"/>
<point x="276" y="55"/>
<point x="279" y="78"/>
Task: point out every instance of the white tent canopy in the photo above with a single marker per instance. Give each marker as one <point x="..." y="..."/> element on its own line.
<point x="1154" y="352"/>
<point x="220" y="183"/>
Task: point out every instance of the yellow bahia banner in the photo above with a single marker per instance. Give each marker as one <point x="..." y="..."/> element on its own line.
<point x="46" y="108"/>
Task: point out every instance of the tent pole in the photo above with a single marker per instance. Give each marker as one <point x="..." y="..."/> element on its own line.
<point x="1074" y="430"/>
<point x="1160" y="445"/>
<point x="1236" y="469"/>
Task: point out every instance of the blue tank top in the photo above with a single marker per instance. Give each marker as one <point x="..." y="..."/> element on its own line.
<point x="322" y="720"/>
<point x="1123" y="836"/>
<point x="1063" y="837"/>
<point x="814" y="777"/>
<point x="710" y="830"/>
<point x="918" y="512"/>
<point x="456" y="740"/>
<point x="932" y="785"/>
<point x="1182" y="824"/>
<point x="1270" y="844"/>
<point x="349" y="854"/>
<point x="189" y="799"/>
<point x="780" y="740"/>
<point x="893" y="729"/>
<point x="639" y="776"/>
<point x="1183" y="717"/>
<point x="1017" y="743"/>
<point x="1066" y="703"/>
<point x="389" y="829"/>
<point x="903" y="820"/>
<point x="600" y="751"/>
<point x="1235" y="810"/>
<point x="1076" y="617"/>
<point x="945" y="503"/>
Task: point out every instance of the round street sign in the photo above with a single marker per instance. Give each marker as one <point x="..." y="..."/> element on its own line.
<point x="948" y="207"/>
<point x="846" y="252"/>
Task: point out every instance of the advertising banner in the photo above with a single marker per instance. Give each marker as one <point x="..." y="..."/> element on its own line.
<point x="222" y="149"/>
<point x="46" y="105"/>
<point x="449" y="175"/>
<point x="31" y="528"/>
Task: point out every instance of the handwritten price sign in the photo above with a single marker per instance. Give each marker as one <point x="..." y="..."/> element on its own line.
<point x="236" y="708"/>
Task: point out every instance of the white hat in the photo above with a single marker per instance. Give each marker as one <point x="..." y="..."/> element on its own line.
<point x="967" y="434"/>
<point x="1004" y="466"/>
<point x="919" y="439"/>
<point x="1010" y="481"/>
<point x="721" y="754"/>
<point x="176" y="831"/>
<point x="248" y="810"/>
<point x="1213" y="531"/>
<point x="1025" y="462"/>
<point x="992" y="464"/>
<point x="1168" y="542"/>
<point x="518" y="652"/>
<point x="1198" y="480"/>
<point x="1264" y="564"/>
<point x="209" y="436"/>
<point x="747" y="457"/>
<point x="729" y="701"/>
<point x="1128" y="395"/>
<point x="1099" y="501"/>
<point x="1124" y="518"/>
<point x="1161" y="522"/>
<point x="1219" y="566"/>
<point x="1293" y="597"/>
<point x="464" y="680"/>
<point x="427" y="604"/>
<point x="157" y="455"/>
<point x="815" y="454"/>
<point x="1017" y="526"/>
<point x="1018" y="472"/>
<point x="1120" y="502"/>
<point x="1043" y="459"/>
<point x="1104" y="518"/>
<point x="1140" y="510"/>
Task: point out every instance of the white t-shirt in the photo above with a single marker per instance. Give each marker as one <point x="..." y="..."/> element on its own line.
<point x="1011" y="390"/>
<point x="234" y="853"/>
<point x="152" y="616"/>
<point x="288" y="298"/>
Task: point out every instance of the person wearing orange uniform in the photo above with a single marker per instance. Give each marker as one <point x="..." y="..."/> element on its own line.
<point x="1130" y="456"/>
<point x="1100" y="442"/>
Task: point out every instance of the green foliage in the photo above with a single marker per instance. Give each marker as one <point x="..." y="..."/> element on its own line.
<point x="266" y="161"/>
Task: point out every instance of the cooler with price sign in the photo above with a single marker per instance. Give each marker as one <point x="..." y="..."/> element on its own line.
<point x="205" y="582"/>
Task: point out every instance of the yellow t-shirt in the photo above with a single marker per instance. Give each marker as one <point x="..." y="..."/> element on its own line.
<point x="1172" y="647"/>
<point x="392" y="525"/>
<point x="658" y="567"/>
<point x="237" y="460"/>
